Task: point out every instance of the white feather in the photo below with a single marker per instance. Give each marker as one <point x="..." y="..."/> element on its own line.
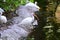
<point x="1" y="11"/>
<point x="32" y="5"/>
<point x="27" y="20"/>
<point x="3" y="19"/>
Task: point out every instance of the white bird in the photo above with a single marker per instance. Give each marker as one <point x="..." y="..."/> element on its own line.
<point x="31" y="7"/>
<point x="26" y="18"/>
<point x="3" y="19"/>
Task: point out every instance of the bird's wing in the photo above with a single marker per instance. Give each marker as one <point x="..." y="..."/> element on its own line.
<point x="27" y="20"/>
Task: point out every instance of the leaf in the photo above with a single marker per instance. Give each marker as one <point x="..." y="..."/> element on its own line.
<point x="48" y="27"/>
<point x="58" y="30"/>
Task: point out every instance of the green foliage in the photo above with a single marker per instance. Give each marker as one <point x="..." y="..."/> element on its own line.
<point x="10" y="5"/>
<point x="52" y="31"/>
<point x="30" y="38"/>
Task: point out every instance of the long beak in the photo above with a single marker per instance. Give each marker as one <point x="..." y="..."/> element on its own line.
<point x="36" y="16"/>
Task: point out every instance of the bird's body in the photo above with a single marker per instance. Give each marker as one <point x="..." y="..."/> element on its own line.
<point x="3" y="19"/>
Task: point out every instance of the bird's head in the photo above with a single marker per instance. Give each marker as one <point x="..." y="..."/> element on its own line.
<point x="32" y="6"/>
